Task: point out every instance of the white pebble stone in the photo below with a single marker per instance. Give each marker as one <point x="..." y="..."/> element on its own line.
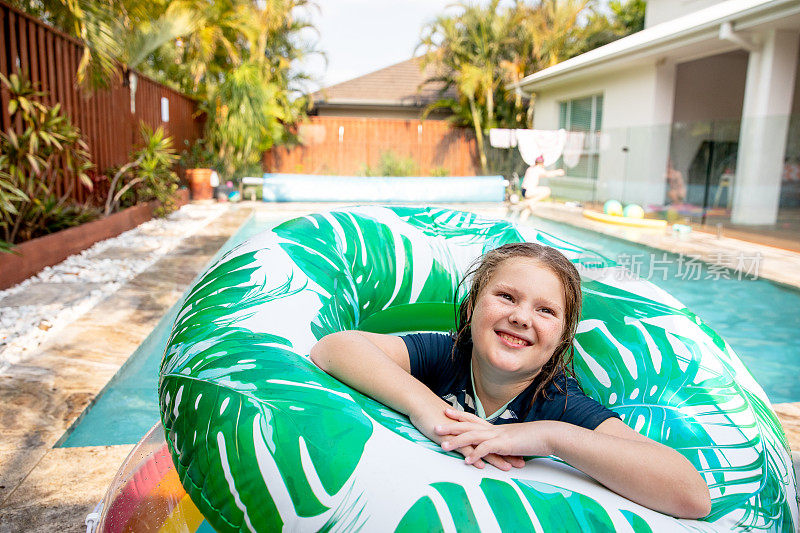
<point x="20" y="333"/>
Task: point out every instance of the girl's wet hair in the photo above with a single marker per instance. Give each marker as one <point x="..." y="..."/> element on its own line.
<point x="479" y="275"/>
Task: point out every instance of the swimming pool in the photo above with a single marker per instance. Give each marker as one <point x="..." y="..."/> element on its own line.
<point x="758" y="318"/>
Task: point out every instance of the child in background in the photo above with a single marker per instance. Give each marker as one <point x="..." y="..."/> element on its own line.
<point x="499" y="388"/>
<point x="532" y="192"/>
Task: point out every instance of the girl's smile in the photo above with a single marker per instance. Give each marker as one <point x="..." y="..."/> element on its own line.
<point x="517" y="322"/>
<point x="512" y="340"/>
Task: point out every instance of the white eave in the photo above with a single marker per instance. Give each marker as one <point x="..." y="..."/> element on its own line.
<point x="658" y="41"/>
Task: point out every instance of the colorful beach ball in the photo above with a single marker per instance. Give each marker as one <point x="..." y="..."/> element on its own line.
<point x="612" y="207"/>
<point x="633" y="211"/>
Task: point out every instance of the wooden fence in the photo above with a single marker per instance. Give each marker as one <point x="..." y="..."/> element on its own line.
<point x="49" y="58"/>
<point x="343" y="146"/>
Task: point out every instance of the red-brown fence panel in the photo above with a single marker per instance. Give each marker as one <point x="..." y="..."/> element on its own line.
<point x="345" y="145"/>
<point x="50" y="59"/>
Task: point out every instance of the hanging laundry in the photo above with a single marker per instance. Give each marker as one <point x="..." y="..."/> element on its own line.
<point x="502" y="138"/>
<point x="546" y="143"/>
<point x="573" y="148"/>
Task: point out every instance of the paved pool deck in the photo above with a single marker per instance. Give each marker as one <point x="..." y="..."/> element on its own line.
<point x="43" y="488"/>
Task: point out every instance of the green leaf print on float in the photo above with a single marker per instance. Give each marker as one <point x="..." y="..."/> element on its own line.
<point x="556" y="509"/>
<point x="225" y="432"/>
<point x="262" y="439"/>
<point x="670" y="388"/>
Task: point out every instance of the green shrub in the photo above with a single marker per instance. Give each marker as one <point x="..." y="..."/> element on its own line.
<point x="440" y="172"/>
<point x="244" y="118"/>
<point x="56" y="215"/>
<point x="159" y="181"/>
<point x="150" y="172"/>
<point x="390" y="164"/>
<point x="46" y="149"/>
<point x="198" y="154"/>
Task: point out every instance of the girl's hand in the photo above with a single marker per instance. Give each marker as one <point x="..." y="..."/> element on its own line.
<point x="509" y="440"/>
<point x="429" y="422"/>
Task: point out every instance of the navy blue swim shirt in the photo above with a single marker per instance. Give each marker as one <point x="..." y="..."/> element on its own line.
<point x="431" y="363"/>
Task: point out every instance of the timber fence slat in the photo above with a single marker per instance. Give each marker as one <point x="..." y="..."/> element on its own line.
<point x="13" y="48"/>
<point x="22" y="58"/>
<point x="38" y="56"/>
<point x="5" y="121"/>
<point x="51" y="59"/>
<point x="51" y="66"/>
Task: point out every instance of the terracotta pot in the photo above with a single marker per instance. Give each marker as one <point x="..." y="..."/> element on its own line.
<point x="200" y="183"/>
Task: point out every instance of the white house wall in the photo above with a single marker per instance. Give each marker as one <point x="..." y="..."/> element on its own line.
<point x="659" y="11"/>
<point x="637" y="111"/>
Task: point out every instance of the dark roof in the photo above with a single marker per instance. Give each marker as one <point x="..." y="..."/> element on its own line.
<point x="395" y="85"/>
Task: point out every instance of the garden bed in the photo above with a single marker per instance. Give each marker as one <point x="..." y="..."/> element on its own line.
<point x="32" y="256"/>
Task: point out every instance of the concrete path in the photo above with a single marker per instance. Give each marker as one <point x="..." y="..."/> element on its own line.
<point x="52" y="489"/>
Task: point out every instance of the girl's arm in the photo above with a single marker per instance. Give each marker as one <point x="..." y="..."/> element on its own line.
<point x="378" y="366"/>
<point x="638" y="468"/>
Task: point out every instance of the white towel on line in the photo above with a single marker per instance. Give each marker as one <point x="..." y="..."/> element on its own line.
<point x="502" y="138"/>
<point x="573" y="148"/>
<point x="546" y="143"/>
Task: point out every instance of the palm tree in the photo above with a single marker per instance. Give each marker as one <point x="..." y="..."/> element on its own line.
<point x="469" y="48"/>
<point x="90" y="21"/>
<point x="557" y="27"/>
<point x="223" y="32"/>
<point x="278" y="48"/>
<point x="244" y="117"/>
<point x="482" y="51"/>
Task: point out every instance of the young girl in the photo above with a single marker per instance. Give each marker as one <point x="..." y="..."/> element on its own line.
<point x="531" y="190"/>
<point x="498" y="389"/>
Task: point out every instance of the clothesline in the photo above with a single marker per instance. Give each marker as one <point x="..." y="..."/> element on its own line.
<point x="549" y="144"/>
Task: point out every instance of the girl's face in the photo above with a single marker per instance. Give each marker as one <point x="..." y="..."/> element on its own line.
<point x="518" y="319"/>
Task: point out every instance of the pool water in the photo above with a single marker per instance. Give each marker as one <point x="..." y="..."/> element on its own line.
<point x="758" y="318"/>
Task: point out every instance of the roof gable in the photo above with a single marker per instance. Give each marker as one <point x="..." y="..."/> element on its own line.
<point x="396" y="85"/>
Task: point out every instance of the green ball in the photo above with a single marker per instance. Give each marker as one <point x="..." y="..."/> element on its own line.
<point x="633" y="211"/>
<point x="612" y="207"/>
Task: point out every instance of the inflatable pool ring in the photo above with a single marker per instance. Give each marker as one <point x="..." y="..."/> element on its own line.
<point x="147" y="495"/>
<point x="625" y="221"/>
<point x="264" y="440"/>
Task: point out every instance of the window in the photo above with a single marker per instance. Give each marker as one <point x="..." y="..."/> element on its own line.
<point x="586" y="115"/>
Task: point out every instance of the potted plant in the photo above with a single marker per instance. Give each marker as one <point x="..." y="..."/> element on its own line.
<point x="198" y="160"/>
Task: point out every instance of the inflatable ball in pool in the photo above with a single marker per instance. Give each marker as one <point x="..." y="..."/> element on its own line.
<point x="263" y="440"/>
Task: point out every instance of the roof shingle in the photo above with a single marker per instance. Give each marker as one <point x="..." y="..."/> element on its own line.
<point x="395" y="85"/>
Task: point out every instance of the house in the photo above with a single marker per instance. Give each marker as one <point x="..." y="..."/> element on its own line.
<point x="700" y="107"/>
<point x="397" y="91"/>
